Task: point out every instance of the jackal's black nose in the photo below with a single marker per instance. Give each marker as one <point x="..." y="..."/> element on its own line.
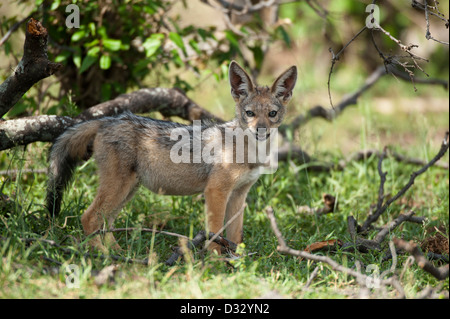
<point x="262" y="133"/>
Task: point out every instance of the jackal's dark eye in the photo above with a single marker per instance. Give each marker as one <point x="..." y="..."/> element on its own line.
<point x="250" y="113"/>
<point x="272" y="113"/>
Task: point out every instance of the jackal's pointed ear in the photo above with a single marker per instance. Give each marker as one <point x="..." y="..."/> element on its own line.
<point x="241" y="84"/>
<point x="283" y="86"/>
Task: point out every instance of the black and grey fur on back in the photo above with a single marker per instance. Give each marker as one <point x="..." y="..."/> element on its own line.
<point x="75" y="145"/>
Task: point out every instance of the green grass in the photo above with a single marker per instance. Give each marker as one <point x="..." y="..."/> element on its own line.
<point x="37" y="270"/>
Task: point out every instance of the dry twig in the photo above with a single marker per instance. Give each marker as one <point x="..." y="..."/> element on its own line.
<point x="440" y="273"/>
<point x="199" y="239"/>
<point x="382" y="206"/>
<point x="143" y="230"/>
<point x="332" y="113"/>
<point x="361" y="278"/>
<point x="425" y="7"/>
<point x="13" y="28"/>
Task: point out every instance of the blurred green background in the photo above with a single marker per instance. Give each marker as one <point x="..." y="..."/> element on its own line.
<point x="125" y="45"/>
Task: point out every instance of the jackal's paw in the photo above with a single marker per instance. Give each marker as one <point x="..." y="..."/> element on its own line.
<point x="104" y="245"/>
<point x="215" y="248"/>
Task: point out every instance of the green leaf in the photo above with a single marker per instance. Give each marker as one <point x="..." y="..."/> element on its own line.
<point x="176" y="38"/>
<point x="152" y="44"/>
<point x="92" y="43"/>
<point x="55" y="5"/>
<point x="232" y="38"/>
<point x="92" y="28"/>
<point x="112" y="45"/>
<point x="258" y="56"/>
<point x="102" y="32"/>
<point x="177" y="59"/>
<point x="94" y="51"/>
<point x="224" y="69"/>
<point x="77" y="58"/>
<point x="105" y="62"/>
<point x="124" y="46"/>
<point x="194" y="46"/>
<point x="284" y="35"/>
<point x="77" y="36"/>
<point x="205" y="34"/>
<point x="87" y="62"/>
<point x="18" y="109"/>
<point x="63" y="56"/>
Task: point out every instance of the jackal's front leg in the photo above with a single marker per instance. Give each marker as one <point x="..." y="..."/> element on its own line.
<point x="235" y="206"/>
<point x="216" y="199"/>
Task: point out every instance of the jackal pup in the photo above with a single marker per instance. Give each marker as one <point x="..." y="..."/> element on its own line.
<point x="132" y="150"/>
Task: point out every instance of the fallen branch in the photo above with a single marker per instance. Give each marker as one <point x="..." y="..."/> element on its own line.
<point x="211" y="238"/>
<point x="143" y="230"/>
<point x="312" y="277"/>
<point x="389" y="228"/>
<point x="381" y="208"/>
<point x="199" y="239"/>
<point x="358" y="243"/>
<point x="291" y="152"/>
<point x="365" y="154"/>
<point x="361" y="278"/>
<point x="14" y="172"/>
<point x="364" y="245"/>
<point x="168" y="102"/>
<point x="440" y="273"/>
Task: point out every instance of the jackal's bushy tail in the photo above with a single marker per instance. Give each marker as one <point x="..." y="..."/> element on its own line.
<point x="67" y="152"/>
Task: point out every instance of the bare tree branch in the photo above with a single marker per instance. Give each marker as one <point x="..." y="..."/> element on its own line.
<point x="335" y="58"/>
<point x="392" y="59"/>
<point x="332" y="113"/>
<point x="284" y="249"/>
<point x="382" y="179"/>
<point x="45" y="128"/>
<point x="440" y="273"/>
<point x="379" y="238"/>
<point x="248" y="7"/>
<point x="438" y="14"/>
<point x="374" y="217"/>
<point x="33" y="67"/>
<point x="14" y="27"/>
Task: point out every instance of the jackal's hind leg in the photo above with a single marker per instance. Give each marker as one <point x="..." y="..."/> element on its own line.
<point x="114" y="191"/>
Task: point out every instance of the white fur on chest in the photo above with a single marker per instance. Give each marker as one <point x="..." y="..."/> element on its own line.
<point x="250" y="176"/>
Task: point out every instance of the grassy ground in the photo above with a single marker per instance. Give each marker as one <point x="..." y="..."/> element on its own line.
<point x="390" y="113"/>
<point x="38" y="269"/>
